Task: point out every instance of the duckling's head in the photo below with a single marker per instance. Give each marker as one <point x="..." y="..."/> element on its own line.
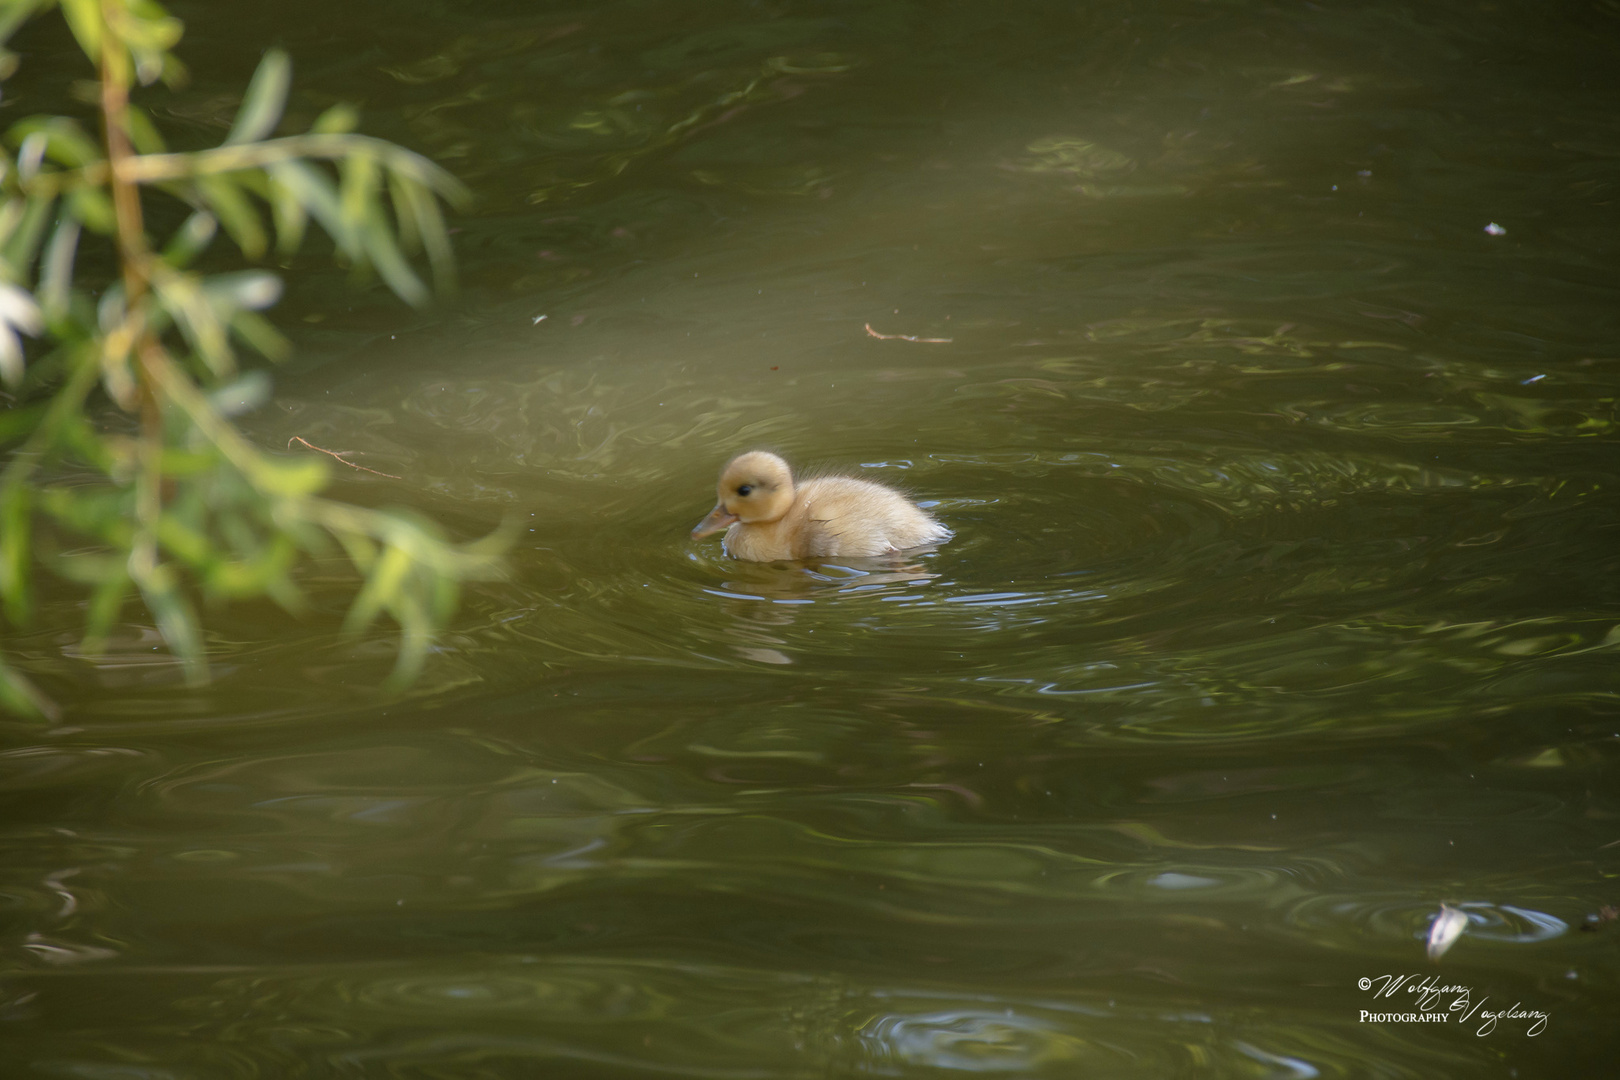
<point x="756" y="486"/>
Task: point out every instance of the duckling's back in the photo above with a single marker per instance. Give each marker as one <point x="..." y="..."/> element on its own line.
<point x="845" y="516"/>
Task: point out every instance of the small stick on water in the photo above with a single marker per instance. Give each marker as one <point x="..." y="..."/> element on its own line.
<point x="339" y="455"/>
<point x="907" y="337"/>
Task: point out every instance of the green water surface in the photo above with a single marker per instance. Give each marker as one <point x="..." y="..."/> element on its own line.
<point x="1283" y="605"/>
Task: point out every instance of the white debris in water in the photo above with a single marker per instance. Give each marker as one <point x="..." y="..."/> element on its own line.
<point x="1493" y="229"/>
<point x="1447" y="928"/>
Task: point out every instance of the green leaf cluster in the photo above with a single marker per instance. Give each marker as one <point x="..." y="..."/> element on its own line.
<point x="122" y="470"/>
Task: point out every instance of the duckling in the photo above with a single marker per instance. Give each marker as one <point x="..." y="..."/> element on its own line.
<point x="768" y="517"/>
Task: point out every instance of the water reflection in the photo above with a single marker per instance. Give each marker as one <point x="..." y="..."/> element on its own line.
<point x="977" y="1041"/>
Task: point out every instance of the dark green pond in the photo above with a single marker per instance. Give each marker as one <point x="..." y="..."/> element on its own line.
<point x="1283" y="607"/>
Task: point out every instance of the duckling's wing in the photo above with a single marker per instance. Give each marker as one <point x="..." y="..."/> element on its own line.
<point x="846" y="516"/>
<point x="823" y="519"/>
<point x="820" y="537"/>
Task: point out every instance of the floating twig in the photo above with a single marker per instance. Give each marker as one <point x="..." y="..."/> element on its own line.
<point x="907" y="337"/>
<point x="339" y="455"/>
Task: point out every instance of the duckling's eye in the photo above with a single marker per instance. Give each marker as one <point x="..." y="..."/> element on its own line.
<point x="745" y="489"/>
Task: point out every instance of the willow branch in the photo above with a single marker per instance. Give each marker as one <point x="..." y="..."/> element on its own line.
<point x="160" y="168"/>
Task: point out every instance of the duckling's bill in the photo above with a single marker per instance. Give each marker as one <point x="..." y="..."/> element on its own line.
<point x="717" y="520"/>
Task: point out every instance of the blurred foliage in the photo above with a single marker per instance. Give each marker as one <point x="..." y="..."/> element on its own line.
<point x="123" y="472"/>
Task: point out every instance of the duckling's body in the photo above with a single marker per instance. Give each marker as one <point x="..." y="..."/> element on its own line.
<point x="768" y="517"/>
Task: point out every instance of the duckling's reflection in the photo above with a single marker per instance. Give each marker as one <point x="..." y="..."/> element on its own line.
<point x="768" y="594"/>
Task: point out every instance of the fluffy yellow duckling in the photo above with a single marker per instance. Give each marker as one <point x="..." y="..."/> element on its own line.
<point x="768" y="517"/>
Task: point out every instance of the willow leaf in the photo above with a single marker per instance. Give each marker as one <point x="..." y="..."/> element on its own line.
<point x="14" y="13"/>
<point x="241" y="395"/>
<point x="143" y="134"/>
<point x="58" y="138"/>
<point x="251" y="577"/>
<point x="103" y="513"/>
<point x="421" y="209"/>
<point x="176" y="620"/>
<point x="289" y="214"/>
<point x="21" y="697"/>
<point x="380" y="590"/>
<point x="357" y="189"/>
<point x="23" y="244"/>
<point x="16" y="552"/>
<point x="19" y="314"/>
<point x="245" y="290"/>
<point x="415" y="636"/>
<point x="91" y="206"/>
<point x="236" y="212"/>
<point x="191" y="239"/>
<point x="261" y="335"/>
<point x="266" y="97"/>
<point x="19" y="422"/>
<point x="12" y="209"/>
<point x="362" y="551"/>
<point x="106" y="604"/>
<point x="185" y="540"/>
<point x="184" y="299"/>
<point x="288" y="596"/>
<point x="291" y="477"/>
<point x="90" y="569"/>
<point x="31" y="155"/>
<point x="399" y="190"/>
<point x="56" y="271"/>
<point x="340" y="119"/>
<point x="84" y="19"/>
<point x="318" y="196"/>
<point x="392" y="266"/>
